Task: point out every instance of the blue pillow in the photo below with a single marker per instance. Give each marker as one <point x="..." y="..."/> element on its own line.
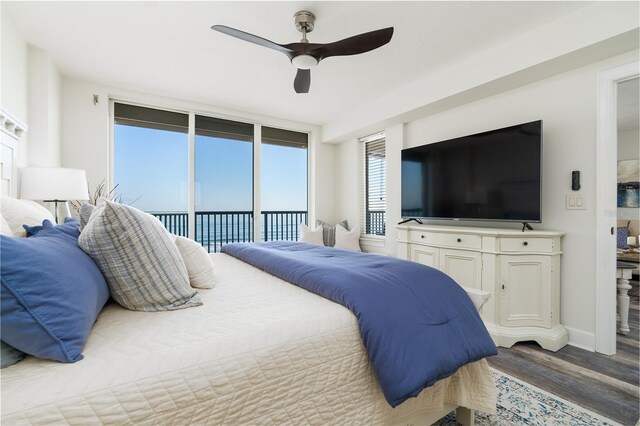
<point x="621" y="238"/>
<point x="51" y="294"/>
<point x="9" y="355"/>
<point x="71" y="227"/>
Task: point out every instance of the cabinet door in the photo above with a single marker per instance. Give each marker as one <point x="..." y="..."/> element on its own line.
<point x="425" y="255"/>
<point x="525" y="287"/>
<point x="465" y="267"/>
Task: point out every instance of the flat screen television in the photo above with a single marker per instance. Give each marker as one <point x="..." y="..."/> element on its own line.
<point x="492" y="176"/>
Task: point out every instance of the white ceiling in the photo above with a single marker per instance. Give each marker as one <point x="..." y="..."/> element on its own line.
<point x="168" y="48"/>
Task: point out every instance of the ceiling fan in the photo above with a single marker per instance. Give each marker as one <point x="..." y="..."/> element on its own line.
<point x="305" y="55"/>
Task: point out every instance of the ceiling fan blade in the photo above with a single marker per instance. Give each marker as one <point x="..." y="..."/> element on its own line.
<point x="253" y="39"/>
<point x="302" y="81"/>
<point x="354" y="45"/>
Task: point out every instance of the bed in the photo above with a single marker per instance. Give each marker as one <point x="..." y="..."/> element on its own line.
<point x="259" y="351"/>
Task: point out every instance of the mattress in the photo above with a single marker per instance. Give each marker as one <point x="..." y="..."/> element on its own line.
<point x="259" y="351"/>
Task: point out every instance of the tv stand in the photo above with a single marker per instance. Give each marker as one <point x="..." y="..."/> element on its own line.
<point x="520" y="271"/>
<point x="527" y="226"/>
<point x="409" y="220"/>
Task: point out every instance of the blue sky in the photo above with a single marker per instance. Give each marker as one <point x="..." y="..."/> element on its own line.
<point x="150" y="167"/>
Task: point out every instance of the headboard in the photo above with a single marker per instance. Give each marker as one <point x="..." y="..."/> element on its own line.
<point x="11" y="131"/>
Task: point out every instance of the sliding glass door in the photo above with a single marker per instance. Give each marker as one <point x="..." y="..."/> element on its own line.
<point x="156" y="151"/>
<point x="223" y="182"/>
<point x="283" y="183"/>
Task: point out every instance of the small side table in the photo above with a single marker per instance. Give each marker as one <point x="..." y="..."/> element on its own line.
<point x="623" y="275"/>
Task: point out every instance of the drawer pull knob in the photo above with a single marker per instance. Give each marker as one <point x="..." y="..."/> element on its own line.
<point x="421" y="236"/>
<point x="459" y="240"/>
<point x="525" y="243"/>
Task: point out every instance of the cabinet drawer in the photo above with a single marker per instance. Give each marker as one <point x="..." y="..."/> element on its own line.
<point x="537" y="245"/>
<point x="465" y="241"/>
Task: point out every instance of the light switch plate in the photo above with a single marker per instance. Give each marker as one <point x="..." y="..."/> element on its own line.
<point x="576" y="202"/>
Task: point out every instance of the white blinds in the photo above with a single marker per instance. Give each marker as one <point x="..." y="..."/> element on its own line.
<point x="375" y="180"/>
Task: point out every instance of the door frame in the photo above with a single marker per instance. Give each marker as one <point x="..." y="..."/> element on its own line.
<point x="606" y="205"/>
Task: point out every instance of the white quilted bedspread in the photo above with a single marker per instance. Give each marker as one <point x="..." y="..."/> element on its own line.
<point x="260" y="351"/>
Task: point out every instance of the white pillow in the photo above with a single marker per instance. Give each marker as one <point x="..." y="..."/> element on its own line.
<point x="23" y="212"/>
<point x="198" y="262"/>
<point x="348" y="240"/>
<point x="311" y="236"/>
<point x="4" y="228"/>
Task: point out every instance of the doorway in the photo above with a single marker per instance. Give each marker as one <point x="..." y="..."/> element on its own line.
<point x="606" y="203"/>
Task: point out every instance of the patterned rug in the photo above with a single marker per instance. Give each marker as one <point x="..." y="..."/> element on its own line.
<point x="520" y="403"/>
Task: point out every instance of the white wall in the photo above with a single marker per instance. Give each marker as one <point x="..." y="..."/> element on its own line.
<point x="567" y="105"/>
<point x="348" y="188"/>
<point x="14" y="78"/>
<point x="628" y="145"/>
<point x="86" y="133"/>
<point x="30" y="91"/>
<point x="44" y="110"/>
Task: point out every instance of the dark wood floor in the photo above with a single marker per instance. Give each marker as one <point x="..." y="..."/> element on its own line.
<point x="607" y="385"/>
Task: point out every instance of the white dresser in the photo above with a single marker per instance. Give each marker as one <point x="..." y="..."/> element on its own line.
<point x="521" y="271"/>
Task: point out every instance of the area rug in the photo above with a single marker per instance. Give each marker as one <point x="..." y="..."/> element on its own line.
<point x="520" y="403"/>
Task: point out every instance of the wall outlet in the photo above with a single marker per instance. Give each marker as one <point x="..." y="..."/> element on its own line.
<point x="576" y="202"/>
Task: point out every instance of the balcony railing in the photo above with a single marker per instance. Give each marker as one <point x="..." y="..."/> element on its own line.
<point x="215" y="229"/>
<point x="375" y="222"/>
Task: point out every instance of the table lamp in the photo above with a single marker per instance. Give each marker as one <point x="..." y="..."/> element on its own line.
<point x="54" y="184"/>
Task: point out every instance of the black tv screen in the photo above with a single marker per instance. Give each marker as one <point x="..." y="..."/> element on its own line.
<point x="494" y="176"/>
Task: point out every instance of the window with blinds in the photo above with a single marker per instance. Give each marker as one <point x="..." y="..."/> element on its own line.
<point x="375" y="181"/>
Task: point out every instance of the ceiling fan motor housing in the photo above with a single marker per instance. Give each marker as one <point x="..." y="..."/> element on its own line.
<point x="304" y="21"/>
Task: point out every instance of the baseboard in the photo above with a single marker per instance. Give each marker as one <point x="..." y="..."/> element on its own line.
<point x="581" y="339"/>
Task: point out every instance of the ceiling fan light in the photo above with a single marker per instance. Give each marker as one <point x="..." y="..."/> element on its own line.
<point x="304" y="62"/>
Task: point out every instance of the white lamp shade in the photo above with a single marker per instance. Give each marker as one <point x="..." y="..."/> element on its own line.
<point x="53" y="184"/>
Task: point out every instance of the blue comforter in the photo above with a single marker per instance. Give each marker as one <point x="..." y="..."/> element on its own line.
<point x="417" y="324"/>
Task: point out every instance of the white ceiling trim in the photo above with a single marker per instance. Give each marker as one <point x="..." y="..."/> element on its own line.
<point x="167" y="47"/>
<point x="555" y="40"/>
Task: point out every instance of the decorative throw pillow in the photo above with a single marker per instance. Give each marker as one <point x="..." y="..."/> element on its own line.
<point x="198" y="262"/>
<point x="311" y="236"/>
<point x="5" y="229"/>
<point x="51" y="295"/>
<point x="348" y="240"/>
<point x="71" y="227"/>
<point x="142" y="266"/>
<point x="85" y="214"/>
<point x="23" y="212"/>
<point x="329" y="231"/>
<point x="9" y="355"/>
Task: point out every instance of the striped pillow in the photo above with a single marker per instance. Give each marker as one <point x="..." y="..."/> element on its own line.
<point x="140" y="263"/>
<point x="329" y="231"/>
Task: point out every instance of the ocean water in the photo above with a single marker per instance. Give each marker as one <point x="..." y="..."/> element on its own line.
<point x="213" y="231"/>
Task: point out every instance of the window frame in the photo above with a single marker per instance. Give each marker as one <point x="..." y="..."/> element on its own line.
<point x="256" y="121"/>
<point x="365" y="187"/>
